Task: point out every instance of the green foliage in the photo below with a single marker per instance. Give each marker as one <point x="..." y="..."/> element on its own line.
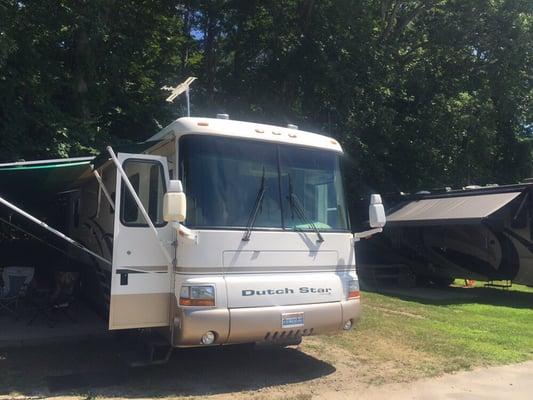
<point x="421" y="93"/>
<point x="76" y="75"/>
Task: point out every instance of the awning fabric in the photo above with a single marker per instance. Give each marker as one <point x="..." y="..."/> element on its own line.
<point x="40" y="179"/>
<point x="448" y="210"/>
<point x="45" y="178"/>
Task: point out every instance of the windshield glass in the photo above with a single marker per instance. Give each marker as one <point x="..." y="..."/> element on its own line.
<point x="222" y="178"/>
<point x="313" y="179"/>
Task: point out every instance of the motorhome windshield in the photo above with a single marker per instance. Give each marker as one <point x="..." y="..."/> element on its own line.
<point x="223" y="176"/>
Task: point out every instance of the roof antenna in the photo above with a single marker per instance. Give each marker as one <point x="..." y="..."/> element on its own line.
<point x="177" y="90"/>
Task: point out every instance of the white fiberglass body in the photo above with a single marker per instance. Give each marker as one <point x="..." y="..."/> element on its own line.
<point x="265" y="253"/>
<point x="287" y="272"/>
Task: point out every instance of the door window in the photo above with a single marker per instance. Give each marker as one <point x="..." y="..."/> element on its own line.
<point x="147" y="179"/>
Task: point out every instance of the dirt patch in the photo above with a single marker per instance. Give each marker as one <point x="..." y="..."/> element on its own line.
<point x="450" y="293"/>
<point x="236" y="372"/>
<point x="396" y="312"/>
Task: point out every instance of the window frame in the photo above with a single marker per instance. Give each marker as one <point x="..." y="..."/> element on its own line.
<point x="124" y="190"/>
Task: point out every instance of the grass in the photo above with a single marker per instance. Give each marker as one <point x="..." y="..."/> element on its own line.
<point x="402" y="338"/>
<point x="399" y="338"/>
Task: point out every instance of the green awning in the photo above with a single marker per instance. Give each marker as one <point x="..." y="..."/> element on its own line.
<point x="40" y="179"/>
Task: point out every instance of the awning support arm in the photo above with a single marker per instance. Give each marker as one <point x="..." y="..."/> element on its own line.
<point x="104" y="189"/>
<point x="52" y="230"/>
<point x="139" y="203"/>
<point x="522" y="204"/>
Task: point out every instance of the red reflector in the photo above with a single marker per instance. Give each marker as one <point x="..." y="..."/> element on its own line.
<point x="354" y="295"/>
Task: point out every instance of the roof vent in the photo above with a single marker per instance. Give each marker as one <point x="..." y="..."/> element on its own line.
<point x="222" y="116"/>
<point x="292" y="126"/>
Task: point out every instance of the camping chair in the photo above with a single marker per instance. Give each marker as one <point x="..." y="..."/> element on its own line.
<point x="16" y="283"/>
<point x="67" y="283"/>
<point x="60" y="301"/>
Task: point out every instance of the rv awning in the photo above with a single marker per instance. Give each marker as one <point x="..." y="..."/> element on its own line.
<point x="28" y="182"/>
<point x="40" y="178"/>
<point x="450" y="210"/>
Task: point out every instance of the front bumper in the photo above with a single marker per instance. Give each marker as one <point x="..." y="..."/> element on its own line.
<point x="260" y="324"/>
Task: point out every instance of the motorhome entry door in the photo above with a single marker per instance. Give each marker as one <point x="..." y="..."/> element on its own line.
<point x="140" y="281"/>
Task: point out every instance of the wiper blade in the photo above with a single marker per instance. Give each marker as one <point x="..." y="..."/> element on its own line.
<point x="296" y="205"/>
<point x="255" y="210"/>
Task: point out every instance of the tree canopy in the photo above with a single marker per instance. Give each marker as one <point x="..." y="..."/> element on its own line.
<point x="421" y="93"/>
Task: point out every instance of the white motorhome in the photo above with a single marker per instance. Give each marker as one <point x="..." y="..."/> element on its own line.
<point x="247" y="238"/>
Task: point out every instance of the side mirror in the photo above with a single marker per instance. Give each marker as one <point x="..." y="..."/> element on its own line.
<point x="174" y="203"/>
<point x="376" y="212"/>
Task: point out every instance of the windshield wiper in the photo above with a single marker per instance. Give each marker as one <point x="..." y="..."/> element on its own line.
<point x="255" y="210"/>
<point x="296" y="205"/>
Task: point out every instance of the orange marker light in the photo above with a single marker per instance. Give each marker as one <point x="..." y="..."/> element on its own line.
<point x="354" y="295"/>
<point x="353" y="290"/>
<point x="197" y="302"/>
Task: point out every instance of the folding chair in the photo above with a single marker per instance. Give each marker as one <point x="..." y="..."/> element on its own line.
<point x="59" y="302"/>
<point x="16" y="283"/>
<point x="67" y="283"/>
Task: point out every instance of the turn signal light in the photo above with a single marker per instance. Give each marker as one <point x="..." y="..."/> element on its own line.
<point x="353" y="290"/>
<point x="197" y="302"/>
<point x="354" y="295"/>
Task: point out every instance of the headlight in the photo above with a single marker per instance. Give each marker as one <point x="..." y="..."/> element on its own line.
<point x="202" y="292"/>
<point x="203" y="296"/>
<point x="353" y="290"/>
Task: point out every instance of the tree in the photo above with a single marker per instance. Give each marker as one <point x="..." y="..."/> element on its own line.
<point x="421" y="93"/>
<point x="80" y="74"/>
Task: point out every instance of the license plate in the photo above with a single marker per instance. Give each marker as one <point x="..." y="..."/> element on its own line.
<point x="292" y="320"/>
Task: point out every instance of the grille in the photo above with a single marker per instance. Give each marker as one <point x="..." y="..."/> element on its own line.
<point x="287" y="335"/>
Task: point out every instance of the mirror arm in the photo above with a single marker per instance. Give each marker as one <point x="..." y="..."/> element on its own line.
<point x="357" y="236"/>
<point x="187" y="233"/>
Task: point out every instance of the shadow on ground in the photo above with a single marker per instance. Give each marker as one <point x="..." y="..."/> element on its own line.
<point x="459" y="295"/>
<point x="95" y="368"/>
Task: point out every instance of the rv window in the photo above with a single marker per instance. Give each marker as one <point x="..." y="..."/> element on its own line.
<point x="223" y="177"/>
<point x="154" y="195"/>
<point x="147" y="179"/>
<point x="131" y="212"/>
